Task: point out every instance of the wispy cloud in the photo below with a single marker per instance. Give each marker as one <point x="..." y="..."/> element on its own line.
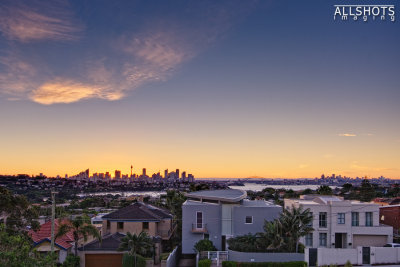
<point x="347" y="134"/>
<point x="64" y="91"/>
<point x="38" y="20"/>
<point x="131" y="59"/>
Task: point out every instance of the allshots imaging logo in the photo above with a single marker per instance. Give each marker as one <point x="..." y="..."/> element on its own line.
<point x="364" y="13"/>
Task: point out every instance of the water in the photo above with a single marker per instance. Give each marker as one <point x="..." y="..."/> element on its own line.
<point x="260" y="187"/>
<point x="154" y="194"/>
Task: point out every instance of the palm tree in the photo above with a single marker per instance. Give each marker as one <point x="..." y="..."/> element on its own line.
<point x="296" y="223"/>
<point x="136" y="244"/>
<point x="80" y="227"/>
<point x="272" y="236"/>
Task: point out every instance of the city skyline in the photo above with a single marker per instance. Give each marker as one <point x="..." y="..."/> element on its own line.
<point x="231" y="89"/>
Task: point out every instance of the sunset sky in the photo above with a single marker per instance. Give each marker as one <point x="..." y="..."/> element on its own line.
<point x="216" y="88"/>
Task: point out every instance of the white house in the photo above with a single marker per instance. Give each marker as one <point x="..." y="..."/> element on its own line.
<point x="342" y="223"/>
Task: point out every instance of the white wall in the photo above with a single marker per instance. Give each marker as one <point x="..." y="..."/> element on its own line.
<point x="381" y="255"/>
<point x="327" y="256"/>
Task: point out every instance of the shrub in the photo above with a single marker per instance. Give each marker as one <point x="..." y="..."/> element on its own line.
<point x="229" y="264"/>
<point x="204" y="263"/>
<point x="129" y="261"/>
<point x="71" y="261"/>
<point x="204" y="245"/>
<point x="348" y="264"/>
<point x="271" y="264"/>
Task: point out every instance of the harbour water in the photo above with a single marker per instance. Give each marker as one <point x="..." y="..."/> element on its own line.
<point x="247" y="186"/>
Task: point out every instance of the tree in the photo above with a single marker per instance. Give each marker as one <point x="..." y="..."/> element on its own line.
<point x="324" y="190"/>
<point x="296" y="223"/>
<point x="204" y="245"/>
<point x="16" y="250"/>
<point x="272" y="236"/>
<point x="174" y="201"/>
<point x="367" y="191"/>
<point x="18" y="212"/>
<point x="80" y="227"/>
<point x="136" y="244"/>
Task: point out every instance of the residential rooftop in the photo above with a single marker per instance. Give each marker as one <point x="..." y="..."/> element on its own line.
<point x="139" y="211"/>
<point x="225" y="195"/>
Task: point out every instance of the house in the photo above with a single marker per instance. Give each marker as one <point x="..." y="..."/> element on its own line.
<point x="340" y="223"/>
<point x="42" y="240"/>
<point x="138" y="217"/>
<point x="218" y="215"/>
<point x="390" y="215"/>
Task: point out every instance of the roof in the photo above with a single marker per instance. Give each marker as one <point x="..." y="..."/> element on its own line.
<point x="139" y="211"/>
<point x="258" y="203"/>
<point x="44" y="234"/>
<point x="108" y="242"/>
<point x="227" y="195"/>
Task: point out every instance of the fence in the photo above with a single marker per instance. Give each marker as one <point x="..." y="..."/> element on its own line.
<point x="264" y="257"/>
<point x="356" y="256"/>
<point x="215" y="256"/>
<point x="172" y="258"/>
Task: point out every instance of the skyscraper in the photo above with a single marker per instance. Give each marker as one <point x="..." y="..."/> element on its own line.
<point x="177" y="174"/>
<point x="117" y="174"/>
<point x="166" y="174"/>
<point x="144" y="172"/>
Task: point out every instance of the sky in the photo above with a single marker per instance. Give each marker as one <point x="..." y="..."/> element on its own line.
<point x="217" y="88"/>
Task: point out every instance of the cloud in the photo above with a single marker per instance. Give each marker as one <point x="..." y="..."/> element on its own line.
<point x="64" y="91"/>
<point x="103" y="66"/>
<point x="347" y="134"/>
<point x="38" y="20"/>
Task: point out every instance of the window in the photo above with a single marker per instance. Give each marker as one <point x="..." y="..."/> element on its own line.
<point x="249" y="220"/>
<point x="341" y="218"/>
<point x="322" y="219"/>
<point x="120" y="225"/>
<point x="199" y="220"/>
<point x="312" y="219"/>
<point x="145" y="225"/>
<point x="309" y="240"/>
<point x="108" y="224"/>
<point x="354" y="219"/>
<point x="206" y="236"/>
<point x="368" y="219"/>
<point x="322" y="239"/>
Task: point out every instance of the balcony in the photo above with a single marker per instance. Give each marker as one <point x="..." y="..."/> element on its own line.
<point x="199" y="228"/>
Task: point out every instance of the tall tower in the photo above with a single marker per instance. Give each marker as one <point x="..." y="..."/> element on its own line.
<point x="131" y="170"/>
<point x="166" y="174"/>
<point x="144" y="171"/>
<point x="177" y="174"/>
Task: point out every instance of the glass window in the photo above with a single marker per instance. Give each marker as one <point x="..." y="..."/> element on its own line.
<point x="249" y="219"/>
<point x="368" y="219"/>
<point x="120" y="225"/>
<point x="322" y="219"/>
<point x="145" y="225"/>
<point x="309" y="240"/>
<point x="199" y="219"/>
<point x="311" y="223"/>
<point x="355" y="219"/>
<point x="108" y="224"/>
<point x="322" y="239"/>
<point x="341" y="218"/>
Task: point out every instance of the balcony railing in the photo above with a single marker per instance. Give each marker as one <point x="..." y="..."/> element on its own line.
<point x="199" y="228"/>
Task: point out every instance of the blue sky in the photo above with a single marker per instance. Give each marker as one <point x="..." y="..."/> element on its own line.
<point x="225" y="89"/>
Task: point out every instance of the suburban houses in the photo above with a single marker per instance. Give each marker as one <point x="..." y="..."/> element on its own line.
<point x="135" y="218"/>
<point x="342" y="223"/>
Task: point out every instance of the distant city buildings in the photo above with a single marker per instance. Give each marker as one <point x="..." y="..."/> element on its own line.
<point x="143" y="177"/>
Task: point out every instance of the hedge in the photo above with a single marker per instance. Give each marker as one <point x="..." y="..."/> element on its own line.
<point x="264" y="264"/>
<point x="204" y="263"/>
<point x="129" y="260"/>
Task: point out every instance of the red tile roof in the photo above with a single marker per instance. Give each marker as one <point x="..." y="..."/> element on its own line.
<point x="44" y="233"/>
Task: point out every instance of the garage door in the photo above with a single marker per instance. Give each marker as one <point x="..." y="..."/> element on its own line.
<point x="103" y="260"/>
<point x="369" y="240"/>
